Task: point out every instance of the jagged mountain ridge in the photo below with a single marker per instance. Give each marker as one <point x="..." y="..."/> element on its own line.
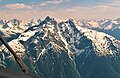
<point x="111" y="27"/>
<point x="52" y="47"/>
<point x="13" y="28"/>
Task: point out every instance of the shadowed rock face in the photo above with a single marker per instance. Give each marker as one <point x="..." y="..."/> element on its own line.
<point x="65" y="50"/>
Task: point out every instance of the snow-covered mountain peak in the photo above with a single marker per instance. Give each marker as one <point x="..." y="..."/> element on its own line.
<point x="49" y="47"/>
<point x="48" y="18"/>
<point x="34" y="22"/>
<point x="2" y="22"/>
<point x="100" y="40"/>
<point x="70" y="33"/>
<point x="111" y="27"/>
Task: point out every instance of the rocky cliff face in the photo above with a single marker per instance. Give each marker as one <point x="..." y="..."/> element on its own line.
<point x="65" y="50"/>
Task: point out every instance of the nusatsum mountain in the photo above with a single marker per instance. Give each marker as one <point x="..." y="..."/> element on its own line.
<point x="68" y="49"/>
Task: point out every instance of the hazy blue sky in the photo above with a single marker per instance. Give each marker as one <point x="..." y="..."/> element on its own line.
<point x="59" y="9"/>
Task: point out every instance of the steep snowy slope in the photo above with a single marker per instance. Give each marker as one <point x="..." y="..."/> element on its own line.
<point x="13" y="28"/>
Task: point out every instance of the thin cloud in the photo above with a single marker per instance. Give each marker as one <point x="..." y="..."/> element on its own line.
<point x="53" y="2"/>
<point x="112" y="4"/>
<point x="94" y="12"/>
<point x="43" y="4"/>
<point x="57" y="1"/>
<point x="81" y="12"/>
<point x="76" y="8"/>
<point x="18" y="6"/>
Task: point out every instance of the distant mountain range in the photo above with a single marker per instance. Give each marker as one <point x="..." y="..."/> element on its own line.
<point x="111" y="27"/>
<point x="69" y="49"/>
